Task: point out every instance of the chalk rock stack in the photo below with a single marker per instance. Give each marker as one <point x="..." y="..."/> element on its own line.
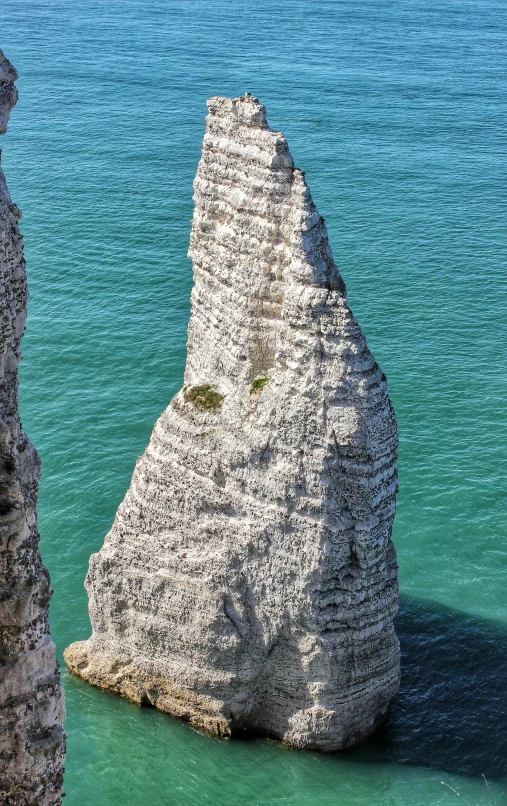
<point x="32" y="740"/>
<point x="249" y="580"/>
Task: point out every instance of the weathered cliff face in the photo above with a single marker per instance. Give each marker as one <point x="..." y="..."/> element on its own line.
<point x="249" y="579"/>
<point x="32" y="740"/>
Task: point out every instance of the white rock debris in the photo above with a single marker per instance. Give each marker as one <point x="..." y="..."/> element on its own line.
<point x="32" y="740"/>
<point x="249" y="581"/>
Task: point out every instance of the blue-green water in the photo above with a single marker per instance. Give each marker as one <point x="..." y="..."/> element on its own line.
<point x="396" y="110"/>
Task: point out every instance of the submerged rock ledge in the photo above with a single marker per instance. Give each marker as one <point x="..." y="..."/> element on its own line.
<point x="32" y="740"/>
<point x="249" y="581"/>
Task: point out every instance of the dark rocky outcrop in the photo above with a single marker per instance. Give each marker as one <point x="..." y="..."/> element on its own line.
<point x="32" y="740"/>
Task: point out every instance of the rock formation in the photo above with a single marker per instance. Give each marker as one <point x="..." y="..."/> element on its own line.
<point x="32" y="740"/>
<point x="249" y="580"/>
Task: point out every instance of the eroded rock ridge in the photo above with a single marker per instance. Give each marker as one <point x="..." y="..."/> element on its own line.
<point x="249" y="580"/>
<point x="32" y="740"/>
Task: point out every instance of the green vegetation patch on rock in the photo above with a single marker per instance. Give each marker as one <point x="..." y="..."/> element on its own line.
<point x="204" y="397"/>
<point x="258" y="385"/>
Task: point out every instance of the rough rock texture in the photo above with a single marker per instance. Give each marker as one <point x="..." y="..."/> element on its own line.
<point x="249" y="580"/>
<point x="32" y="740"/>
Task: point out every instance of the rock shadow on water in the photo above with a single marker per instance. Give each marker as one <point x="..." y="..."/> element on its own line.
<point x="451" y="711"/>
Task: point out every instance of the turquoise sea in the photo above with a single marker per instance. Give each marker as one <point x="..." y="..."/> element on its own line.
<point x="396" y="110"/>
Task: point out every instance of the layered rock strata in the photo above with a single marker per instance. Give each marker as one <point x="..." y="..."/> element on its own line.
<point x="32" y="740"/>
<point x="249" y="580"/>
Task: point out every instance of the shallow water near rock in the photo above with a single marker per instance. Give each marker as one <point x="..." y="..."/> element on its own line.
<point x="396" y="112"/>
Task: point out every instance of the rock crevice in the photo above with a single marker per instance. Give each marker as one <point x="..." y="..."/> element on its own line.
<point x="249" y="580"/>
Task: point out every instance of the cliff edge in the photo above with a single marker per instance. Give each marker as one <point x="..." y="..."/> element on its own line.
<point x="249" y="580"/>
<point x="32" y="740"/>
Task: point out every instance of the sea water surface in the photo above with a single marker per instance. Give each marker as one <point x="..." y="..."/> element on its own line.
<point x="396" y="110"/>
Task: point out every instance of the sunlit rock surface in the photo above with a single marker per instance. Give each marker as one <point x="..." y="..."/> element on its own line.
<point x="32" y="740"/>
<point x="249" y="580"/>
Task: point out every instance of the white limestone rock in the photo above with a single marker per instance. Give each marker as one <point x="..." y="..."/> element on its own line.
<point x="32" y="740"/>
<point x="249" y="580"/>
